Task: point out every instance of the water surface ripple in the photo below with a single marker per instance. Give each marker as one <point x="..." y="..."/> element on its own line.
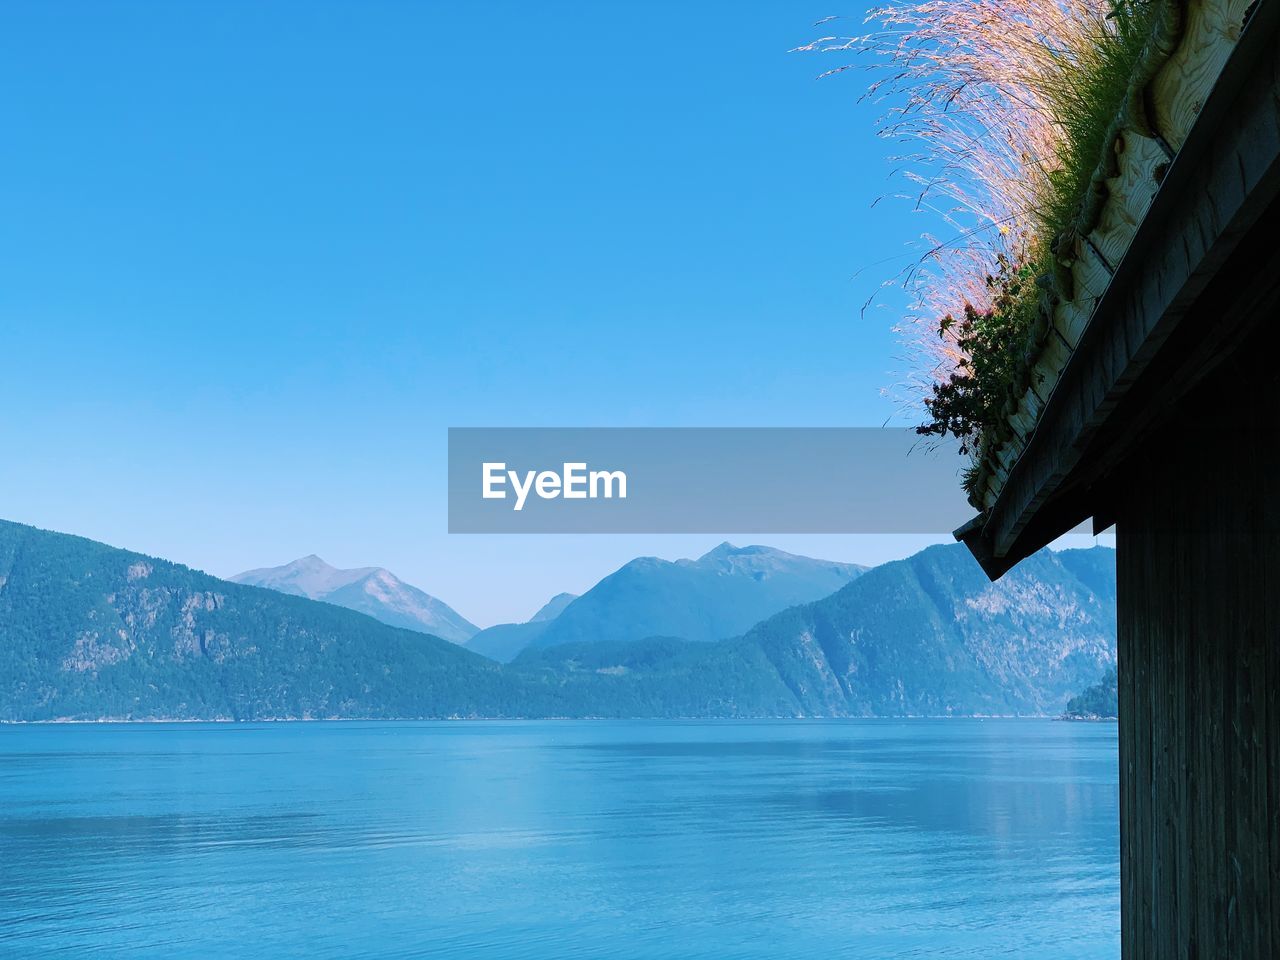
<point x="555" y="839"/>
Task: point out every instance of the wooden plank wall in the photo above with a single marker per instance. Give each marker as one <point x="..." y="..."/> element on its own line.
<point x="1198" y="538"/>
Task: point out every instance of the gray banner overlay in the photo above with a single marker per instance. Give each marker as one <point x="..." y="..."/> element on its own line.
<point x="702" y="480"/>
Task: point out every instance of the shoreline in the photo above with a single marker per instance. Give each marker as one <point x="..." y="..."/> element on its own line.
<point x="691" y="719"/>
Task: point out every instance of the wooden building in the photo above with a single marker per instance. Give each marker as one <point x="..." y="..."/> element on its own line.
<point x="1156" y="408"/>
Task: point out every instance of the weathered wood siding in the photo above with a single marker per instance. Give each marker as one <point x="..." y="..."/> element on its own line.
<point x="1198" y="530"/>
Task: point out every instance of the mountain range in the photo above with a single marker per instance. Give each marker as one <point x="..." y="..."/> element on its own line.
<point x="372" y="590"/>
<point x="925" y="636"/>
<point x="719" y="595"/>
<point x="89" y="631"/>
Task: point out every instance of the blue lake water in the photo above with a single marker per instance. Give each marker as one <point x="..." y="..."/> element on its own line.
<point x="791" y="839"/>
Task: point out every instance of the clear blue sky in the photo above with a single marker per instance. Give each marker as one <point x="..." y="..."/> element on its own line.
<point x="256" y="257"/>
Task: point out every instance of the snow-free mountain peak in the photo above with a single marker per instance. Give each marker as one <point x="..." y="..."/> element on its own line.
<point x="761" y="561"/>
<point x="721" y="550"/>
<point x="504" y="641"/>
<point x="375" y="591"/>
<point x="721" y="594"/>
<point x="553" y="607"/>
<point x="307" y="576"/>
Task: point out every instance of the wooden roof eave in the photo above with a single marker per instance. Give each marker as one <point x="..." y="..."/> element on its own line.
<point x="1223" y="178"/>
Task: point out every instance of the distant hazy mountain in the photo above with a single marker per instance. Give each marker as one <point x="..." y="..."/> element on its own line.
<point x="553" y="608"/>
<point x="719" y="595"/>
<point x="925" y="636"/>
<point x="372" y="590"/>
<point x="503" y="641"/>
